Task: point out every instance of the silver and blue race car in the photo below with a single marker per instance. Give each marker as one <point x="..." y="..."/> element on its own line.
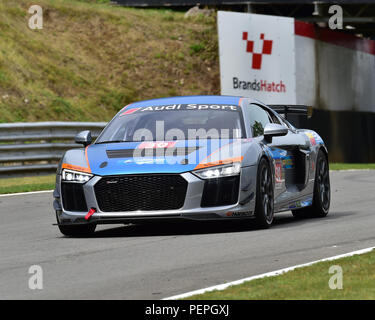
<point x="197" y="158"/>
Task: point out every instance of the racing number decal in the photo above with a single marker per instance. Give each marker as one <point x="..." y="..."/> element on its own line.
<point x="156" y="145"/>
<point x="278" y="172"/>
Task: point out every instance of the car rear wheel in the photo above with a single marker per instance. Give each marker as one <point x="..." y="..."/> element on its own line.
<point x="76" y="231"/>
<point x="264" y="197"/>
<point x="322" y="191"/>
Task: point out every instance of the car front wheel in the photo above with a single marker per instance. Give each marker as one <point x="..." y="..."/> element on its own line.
<point x="264" y="197"/>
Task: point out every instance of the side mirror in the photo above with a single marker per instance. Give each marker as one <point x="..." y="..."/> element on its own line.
<point x="274" y="130"/>
<point x="84" y="137"/>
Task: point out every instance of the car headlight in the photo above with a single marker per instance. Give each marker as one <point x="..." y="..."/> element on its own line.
<point x="75" y="176"/>
<point x="219" y="171"/>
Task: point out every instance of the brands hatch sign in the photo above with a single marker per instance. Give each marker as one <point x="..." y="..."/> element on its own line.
<point x="257" y="56"/>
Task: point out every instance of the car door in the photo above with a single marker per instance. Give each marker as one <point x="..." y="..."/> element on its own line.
<point x="290" y="153"/>
<point x="297" y="161"/>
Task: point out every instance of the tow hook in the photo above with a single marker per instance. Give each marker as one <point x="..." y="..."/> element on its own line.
<point x="90" y="213"/>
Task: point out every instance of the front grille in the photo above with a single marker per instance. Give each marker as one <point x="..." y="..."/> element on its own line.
<point x="220" y="191"/>
<point x="73" y="197"/>
<point x="140" y="192"/>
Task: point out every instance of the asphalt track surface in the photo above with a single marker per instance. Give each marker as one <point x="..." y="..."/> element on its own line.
<point x="157" y="261"/>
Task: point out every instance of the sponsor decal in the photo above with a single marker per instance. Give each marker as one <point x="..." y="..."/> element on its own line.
<point x="162" y="108"/>
<point x="144" y="161"/>
<point x="211" y="107"/>
<point x="301" y="204"/>
<point x="239" y="214"/>
<point x="311" y="137"/>
<point x="278" y="172"/>
<point x="317" y="138"/>
<point x="175" y="107"/>
<point x="277" y="153"/>
<point x="314" y="137"/>
<point x="156" y="145"/>
<point x="259" y="85"/>
<point x="288" y="162"/>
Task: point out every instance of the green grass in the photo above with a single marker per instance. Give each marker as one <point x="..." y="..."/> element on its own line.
<point x="348" y="166"/>
<point x="91" y="58"/>
<point x="26" y="184"/>
<point x="308" y="283"/>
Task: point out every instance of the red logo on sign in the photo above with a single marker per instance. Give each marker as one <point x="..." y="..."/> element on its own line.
<point x="257" y="57"/>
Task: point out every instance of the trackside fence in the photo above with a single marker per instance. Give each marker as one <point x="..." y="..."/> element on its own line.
<point x="35" y="148"/>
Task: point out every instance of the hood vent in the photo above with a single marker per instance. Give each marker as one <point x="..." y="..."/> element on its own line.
<point x="129" y="153"/>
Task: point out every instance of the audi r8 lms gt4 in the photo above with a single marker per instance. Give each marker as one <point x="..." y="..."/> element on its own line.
<point x="197" y="158"/>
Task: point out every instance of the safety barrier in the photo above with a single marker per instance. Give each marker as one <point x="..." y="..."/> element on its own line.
<point x="35" y="148"/>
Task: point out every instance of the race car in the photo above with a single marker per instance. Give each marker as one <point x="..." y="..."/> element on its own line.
<point x="196" y="158"/>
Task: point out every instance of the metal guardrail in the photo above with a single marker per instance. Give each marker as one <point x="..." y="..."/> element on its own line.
<point x="36" y="148"/>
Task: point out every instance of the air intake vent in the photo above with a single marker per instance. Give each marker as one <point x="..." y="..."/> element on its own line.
<point x="73" y="197"/>
<point x="220" y="191"/>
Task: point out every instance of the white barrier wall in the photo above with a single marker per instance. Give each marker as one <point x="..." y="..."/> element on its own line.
<point x="334" y="72"/>
<point x="251" y="47"/>
<point x="320" y="67"/>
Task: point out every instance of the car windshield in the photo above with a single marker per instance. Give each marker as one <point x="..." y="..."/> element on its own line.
<point x="176" y="122"/>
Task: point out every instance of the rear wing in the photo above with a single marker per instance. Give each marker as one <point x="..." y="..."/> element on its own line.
<point x="287" y="109"/>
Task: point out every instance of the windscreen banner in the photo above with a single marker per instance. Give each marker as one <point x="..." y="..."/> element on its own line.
<point x="257" y="57"/>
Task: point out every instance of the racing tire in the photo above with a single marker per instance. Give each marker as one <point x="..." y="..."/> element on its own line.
<point x="264" y="202"/>
<point x="78" y="230"/>
<point x="322" y="191"/>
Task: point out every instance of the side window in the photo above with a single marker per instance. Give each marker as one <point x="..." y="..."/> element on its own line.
<point x="258" y="119"/>
<point x="285" y="123"/>
<point x="274" y="118"/>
